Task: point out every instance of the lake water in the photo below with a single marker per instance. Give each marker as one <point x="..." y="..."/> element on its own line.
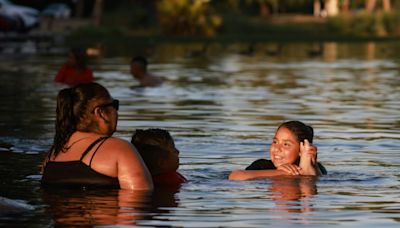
<point x="222" y="107"/>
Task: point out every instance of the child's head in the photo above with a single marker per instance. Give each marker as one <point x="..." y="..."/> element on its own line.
<point x="77" y="58"/>
<point x="157" y="148"/>
<point x="138" y="66"/>
<point x="285" y="147"/>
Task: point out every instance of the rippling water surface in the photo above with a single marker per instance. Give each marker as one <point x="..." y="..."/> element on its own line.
<point x="222" y="109"/>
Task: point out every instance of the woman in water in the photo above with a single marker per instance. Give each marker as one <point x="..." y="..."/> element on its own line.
<point x="291" y="153"/>
<point x="84" y="153"/>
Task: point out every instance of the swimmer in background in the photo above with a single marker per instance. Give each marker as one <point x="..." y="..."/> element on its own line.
<point x="157" y="148"/>
<point x="75" y="71"/>
<point x="138" y="68"/>
<point x="291" y="153"/>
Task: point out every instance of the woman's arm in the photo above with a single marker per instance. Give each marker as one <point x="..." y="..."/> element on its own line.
<point x="132" y="172"/>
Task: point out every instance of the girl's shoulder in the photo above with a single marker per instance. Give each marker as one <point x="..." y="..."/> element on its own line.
<point x="322" y="168"/>
<point x="261" y="164"/>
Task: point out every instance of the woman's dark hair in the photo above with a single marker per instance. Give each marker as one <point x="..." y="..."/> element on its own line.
<point x="301" y="130"/>
<point x="80" y="57"/>
<point x="72" y="112"/>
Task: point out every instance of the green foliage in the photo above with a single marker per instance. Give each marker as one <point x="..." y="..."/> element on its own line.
<point x="254" y="7"/>
<point x="84" y="35"/>
<point x="365" y="24"/>
<point x="391" y="23"/>
<point x="290" y="6"/>
<point x="242" y="19"/>
<point x="187" y="17"/>
<point x="129" y="15"/>
<point x="98" y="31"/>
<point x="357" y="4"/>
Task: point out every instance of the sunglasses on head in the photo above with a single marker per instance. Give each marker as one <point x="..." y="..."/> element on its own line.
<point x="114" y="104"/>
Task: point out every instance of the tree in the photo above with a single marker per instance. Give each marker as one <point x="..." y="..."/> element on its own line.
<point x="187" y="17"/>
<point x="97" y="12"/>
<point x="345" y="6"/>
<point x="371" y="4"/>
<point x="386" y="5"/>
<point x="331" y="7"/>
<point x="317" y="8"/>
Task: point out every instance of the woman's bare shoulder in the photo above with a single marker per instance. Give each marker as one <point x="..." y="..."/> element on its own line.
<point x="118" y="144"/>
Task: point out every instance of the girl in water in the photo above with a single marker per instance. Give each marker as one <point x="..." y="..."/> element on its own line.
<point x="291" y="153"/>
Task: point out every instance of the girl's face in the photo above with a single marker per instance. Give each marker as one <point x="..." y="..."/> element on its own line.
<point x="285" y="148"/>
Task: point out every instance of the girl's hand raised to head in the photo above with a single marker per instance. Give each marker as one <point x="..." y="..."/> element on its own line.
<point x="308" y="158"/>
<point x="308" y="151"/>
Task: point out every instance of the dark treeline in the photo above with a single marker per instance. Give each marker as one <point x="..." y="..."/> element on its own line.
<point x="216" y="17"/>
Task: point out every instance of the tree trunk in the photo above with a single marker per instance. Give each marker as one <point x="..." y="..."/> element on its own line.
<point x="80" y="7"/>
<point x="317" y="8"/>
<point x="370" y="5"/>
<point x="97" y="12"/>
<point x="345" y="6"/>
<point x="386" y="5"/>
<point x="264" y="10"/>
<point x="331" y="7"/>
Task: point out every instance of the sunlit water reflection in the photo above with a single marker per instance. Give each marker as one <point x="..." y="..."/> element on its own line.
<point x="223" y="109"/>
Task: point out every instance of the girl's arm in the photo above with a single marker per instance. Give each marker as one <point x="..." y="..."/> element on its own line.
<point x="254" y="174"/>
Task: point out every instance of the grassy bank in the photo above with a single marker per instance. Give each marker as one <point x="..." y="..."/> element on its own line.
<point x="283" y="28"/>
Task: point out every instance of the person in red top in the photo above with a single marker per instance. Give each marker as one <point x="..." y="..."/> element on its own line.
<point x="157" y="148"/>
<point x="75" y="70"/>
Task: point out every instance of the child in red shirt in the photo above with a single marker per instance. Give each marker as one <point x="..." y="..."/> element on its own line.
<point x="75" y="70"/>
<point x="157" y="148"/>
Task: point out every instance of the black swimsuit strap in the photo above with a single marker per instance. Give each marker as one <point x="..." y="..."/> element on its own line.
<point x="91" y="146"/>
<point x="94" y="153"/>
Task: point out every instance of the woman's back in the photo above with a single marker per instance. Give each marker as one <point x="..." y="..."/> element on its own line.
<point x="76" y="173"/>
<point x="83" y="148"/>
<point x="106" y="163"/>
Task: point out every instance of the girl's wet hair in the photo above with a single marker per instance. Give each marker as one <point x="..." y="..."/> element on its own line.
<point x="73" y="112"/>
<point x="299" y="129"/>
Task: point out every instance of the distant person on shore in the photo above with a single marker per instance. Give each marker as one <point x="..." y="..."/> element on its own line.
<point x="157" y="148"/>
<point x="75" y="70"/>
<point x="140" y="73"/>
<point x="291" y="153"/>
